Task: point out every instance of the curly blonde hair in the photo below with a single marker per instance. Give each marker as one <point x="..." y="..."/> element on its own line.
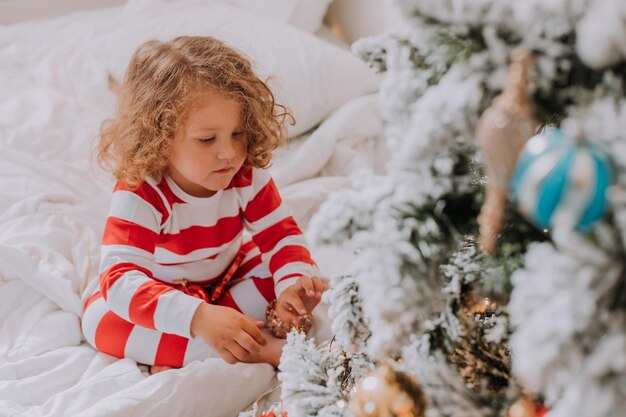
<point x="154" y="101"/>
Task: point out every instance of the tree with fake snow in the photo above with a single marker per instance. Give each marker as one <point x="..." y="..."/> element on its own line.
<point x="490" y="259"/>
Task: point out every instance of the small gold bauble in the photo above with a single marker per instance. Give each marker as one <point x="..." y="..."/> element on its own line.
<point x="279" y="328"/>
<point x="484" y="306"/>
<point x="386" y="392"/>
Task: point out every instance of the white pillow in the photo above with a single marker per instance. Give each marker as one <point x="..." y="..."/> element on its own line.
<point x="307" y="15"/>
<point x="308" y="75"/>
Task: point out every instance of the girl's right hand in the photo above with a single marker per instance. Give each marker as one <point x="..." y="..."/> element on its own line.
<point x="234" y="336"/>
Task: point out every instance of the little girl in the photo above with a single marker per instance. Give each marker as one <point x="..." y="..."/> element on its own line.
<point x="179" y="278"/>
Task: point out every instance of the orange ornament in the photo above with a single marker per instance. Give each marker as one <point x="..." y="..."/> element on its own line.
<point x="526" y="407"/>
<point x="523" y="407"/>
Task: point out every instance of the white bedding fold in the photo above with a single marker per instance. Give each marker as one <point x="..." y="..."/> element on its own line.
<point x="357" y="121"/>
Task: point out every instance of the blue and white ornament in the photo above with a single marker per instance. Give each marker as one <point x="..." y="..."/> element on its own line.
<point x="558" y="182"/>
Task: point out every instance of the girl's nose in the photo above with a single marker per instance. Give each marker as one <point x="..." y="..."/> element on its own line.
<point x="226" y="150"/>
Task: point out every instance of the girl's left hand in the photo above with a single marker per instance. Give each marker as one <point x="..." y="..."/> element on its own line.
<point x="300" y="298"/>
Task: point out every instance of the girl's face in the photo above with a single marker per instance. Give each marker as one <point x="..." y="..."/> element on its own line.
<point x="210" y="147"/>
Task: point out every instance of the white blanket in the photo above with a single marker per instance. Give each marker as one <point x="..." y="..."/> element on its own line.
<point x="53" y="202"/>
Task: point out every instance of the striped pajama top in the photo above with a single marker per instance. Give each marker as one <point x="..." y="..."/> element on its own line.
<point x="158" y="234"/>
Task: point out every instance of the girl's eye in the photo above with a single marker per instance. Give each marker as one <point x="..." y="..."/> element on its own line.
<point x="207" y="140"/>
<point x="238" y="134"/>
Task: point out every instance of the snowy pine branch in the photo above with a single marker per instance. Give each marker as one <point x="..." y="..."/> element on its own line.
<point x="316" y="380"/>
<point x="348" y="322"/>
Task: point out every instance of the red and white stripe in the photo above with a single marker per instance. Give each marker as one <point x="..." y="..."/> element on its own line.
<point x="157" y="234"/>
<point x="111" y="334"/>
<point x="276" y="233"/>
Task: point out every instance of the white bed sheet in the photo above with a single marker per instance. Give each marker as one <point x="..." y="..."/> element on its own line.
<point x="53" y="202"/>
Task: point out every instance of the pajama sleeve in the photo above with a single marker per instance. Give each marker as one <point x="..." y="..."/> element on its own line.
<point x="276" y="233"/>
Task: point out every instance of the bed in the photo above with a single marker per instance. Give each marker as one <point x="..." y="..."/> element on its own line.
<point x="54" y="93"/>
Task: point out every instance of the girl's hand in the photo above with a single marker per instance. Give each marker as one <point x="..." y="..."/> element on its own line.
<point x="300" y="298"/>
<point x="234" y="336"/>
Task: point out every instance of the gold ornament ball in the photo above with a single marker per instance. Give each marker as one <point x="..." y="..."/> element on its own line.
<point x="385" y="392"/>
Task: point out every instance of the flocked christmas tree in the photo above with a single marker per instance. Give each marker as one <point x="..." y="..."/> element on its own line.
<point x="490" y="269"/>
